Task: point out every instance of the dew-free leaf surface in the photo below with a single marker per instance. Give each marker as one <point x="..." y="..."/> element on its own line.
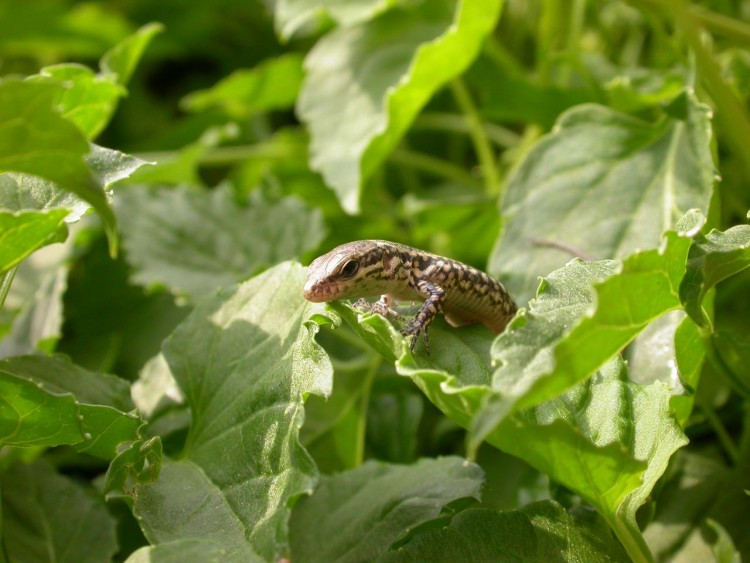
<point x="245" y="360"/>
<point x="194" y="242"/>
<point x="357" y="515"/>
<point x="602" y="185"/>
<point x="50" y="517"/>
<point x="365" y="84"/>
<point x="48" y="401"/>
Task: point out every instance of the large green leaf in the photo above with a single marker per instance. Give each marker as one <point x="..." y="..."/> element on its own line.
<point x="584" y="315"/>
<point x="608" y="439"/>
<point x="541" y="531"/>
<point x="49" y="517"/>
<point x="365" y="84"/>
<point x="22" y="233"/>
<point x="358" y="514"/>
<point x="245" y="360"/>
<point x="48" y="401"/>
<point x="713" y="258"/>
<point x="86" y="99"/>
<point x="602" y="185"/>
<point x="36" y="140"/>
<point x="291" y="15"/>
<point x="22" y="192"/>
<point x="194" y="241"/>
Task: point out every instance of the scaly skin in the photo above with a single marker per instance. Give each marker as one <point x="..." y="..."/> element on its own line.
<point x="368" y="268"/>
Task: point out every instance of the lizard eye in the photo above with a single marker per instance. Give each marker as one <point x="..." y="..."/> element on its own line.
<point x="349" y="269"/>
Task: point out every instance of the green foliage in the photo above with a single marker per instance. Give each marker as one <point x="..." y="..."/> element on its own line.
<point x="571" y="150"/>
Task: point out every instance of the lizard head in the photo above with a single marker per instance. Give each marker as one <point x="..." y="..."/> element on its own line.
<point x="340" y="274"/>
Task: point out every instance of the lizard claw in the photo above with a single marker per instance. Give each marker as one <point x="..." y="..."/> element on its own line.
<point x="414" y="329"/>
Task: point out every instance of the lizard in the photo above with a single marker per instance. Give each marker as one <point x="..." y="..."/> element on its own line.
<point x="368" y="268"/>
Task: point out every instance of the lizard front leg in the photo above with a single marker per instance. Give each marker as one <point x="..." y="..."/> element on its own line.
<point x="435" y="297"/>
<point x="383" y="306"/>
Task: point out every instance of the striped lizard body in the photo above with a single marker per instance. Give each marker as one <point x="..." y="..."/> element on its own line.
<point x="368" y="268"/>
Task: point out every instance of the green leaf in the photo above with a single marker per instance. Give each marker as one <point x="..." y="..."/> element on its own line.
<point x="20" y="192"/>
<point x="357" y="515"/>
<point x="122" y="59"/>
<point x="270" y="86"/>
<point x="516" y="98"/>
<point x="193" y="240"/>
<point x="602" y="185"/>
<point x="713" y="258"/>
<point x="334" y="427"/>
<point x="541" y="531"/>
<point x="612" y="461"/>
<point x="22" y="233"/>
<point x="138" y="462"/>
<point x="723" y="549"/>
<point x="35" y="139"/>
<point x="185" y="550"/>
<point x="38" y="318"/>
<point x="365" y="84"/>
<point x="88" y="100"/>
<point x="49" y="401"/>
<point x="291" y="15"/>
<point x="245" y="360"/>
<point x="569" y="331"/>
<point x="49" y="517"/>
<point x="700" y="489"/>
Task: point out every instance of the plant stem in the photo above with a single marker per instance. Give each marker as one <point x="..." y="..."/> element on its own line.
<point x="6" y="279"/>
<point x="454" y="123"/>
<point x="729" y="110"/>
<point x="721" y="25"/>
<point x="365" y="398"/>
<point x="482" y="146"/>
<point x="434" y="166"/>
<point x="721" y="432"/>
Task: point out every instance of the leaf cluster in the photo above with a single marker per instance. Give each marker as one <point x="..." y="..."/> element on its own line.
<point x="166" y="393"/>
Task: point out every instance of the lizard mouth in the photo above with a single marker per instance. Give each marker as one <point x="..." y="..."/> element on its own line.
<point x="320" y="293"/>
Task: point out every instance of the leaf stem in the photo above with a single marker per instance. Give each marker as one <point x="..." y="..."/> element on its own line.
<point x="6" y="279"/>
<point x="632" y="540"/>
<point x="482" y="146"/>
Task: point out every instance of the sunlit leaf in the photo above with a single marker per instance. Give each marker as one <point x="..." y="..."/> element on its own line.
<point x="541" y="531"/>
<point x="50" y="401"/>
<point x="602" y="185"/>
<point x="365" y="84"/>
<point x="271" y="86"/>
<point x="245" y="360"/>
<point x="713" y="258"/>
<point x="22" y="233"/>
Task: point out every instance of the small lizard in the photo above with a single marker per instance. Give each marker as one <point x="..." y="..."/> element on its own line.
<point x="369" y="268"/>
